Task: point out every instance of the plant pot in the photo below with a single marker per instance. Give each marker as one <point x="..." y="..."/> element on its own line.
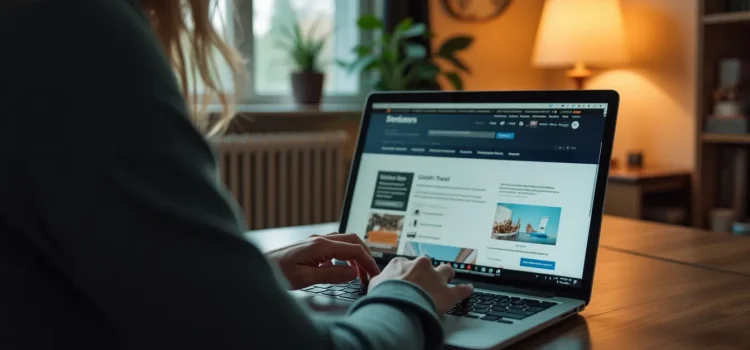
<point x="307" y="88"/>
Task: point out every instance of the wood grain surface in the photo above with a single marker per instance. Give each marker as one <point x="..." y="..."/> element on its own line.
<point x="700" y="248"/>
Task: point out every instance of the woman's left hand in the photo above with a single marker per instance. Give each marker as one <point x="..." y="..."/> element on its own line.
<point x="309" y="262"/>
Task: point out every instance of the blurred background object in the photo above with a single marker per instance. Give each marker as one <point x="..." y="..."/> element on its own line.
<point x="579" y="34"/>
<point x="304" y="52"/>
<point x="397" y="62"/>
<point x="722" y="115"/>
<point x="475" y="10"/>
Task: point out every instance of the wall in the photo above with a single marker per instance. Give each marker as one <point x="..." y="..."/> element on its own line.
<point x="657" y="88"/>
<point x="500" y="55"/>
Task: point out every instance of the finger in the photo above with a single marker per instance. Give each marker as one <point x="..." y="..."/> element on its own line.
<point x="333" y="274"/>
<point x="422" y="260"/>
<point x="332" y="234"/>
<point x="446" y="271"/>
<point x="350" y="251"/>
<point x="400" y="260"/>
<point x="361" y="272"/>
<point x="364" y="278"/>
<point x="461" y="291"/>
<point x="355" y="239"/>
<point x="349" y="238"/>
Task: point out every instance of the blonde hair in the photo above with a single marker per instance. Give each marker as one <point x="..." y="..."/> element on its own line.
<point x="192" y="50"/>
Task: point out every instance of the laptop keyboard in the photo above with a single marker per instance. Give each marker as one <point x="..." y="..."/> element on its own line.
<point x="351" y="291"/>
<point x="498" y="308"/>
<point x="482" y="306"/>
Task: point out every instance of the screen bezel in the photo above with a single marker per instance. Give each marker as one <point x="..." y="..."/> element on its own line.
<point x="610" y="97"/>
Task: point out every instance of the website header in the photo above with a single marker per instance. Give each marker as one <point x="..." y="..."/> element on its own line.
<point x="526" y="136"/>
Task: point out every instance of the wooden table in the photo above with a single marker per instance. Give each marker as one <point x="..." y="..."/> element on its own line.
<point x="699" y="248"/>
<point x="648" y="293"/>
<point x="628" y="191"/>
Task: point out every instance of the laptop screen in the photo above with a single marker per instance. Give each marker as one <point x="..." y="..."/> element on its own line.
<point x="497" y="189"/>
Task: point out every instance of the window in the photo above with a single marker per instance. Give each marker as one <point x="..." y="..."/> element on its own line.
<point x="257" y="32"/>
<point x="221" y="20"/>
<point x="335" y="19"/>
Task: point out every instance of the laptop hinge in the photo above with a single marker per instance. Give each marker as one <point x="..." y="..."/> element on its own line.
<point x="506" y="289"/>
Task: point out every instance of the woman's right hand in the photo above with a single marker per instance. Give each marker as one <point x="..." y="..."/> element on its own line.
<point x="433" y="280"/>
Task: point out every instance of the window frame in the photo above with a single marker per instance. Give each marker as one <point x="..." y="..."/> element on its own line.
<point x="242" y="37"/>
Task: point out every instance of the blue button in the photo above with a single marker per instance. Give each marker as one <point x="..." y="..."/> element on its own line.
<point x="539" y="264"/>
<point x="505" y="135"/>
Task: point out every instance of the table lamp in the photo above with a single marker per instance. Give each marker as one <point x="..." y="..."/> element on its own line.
<point x="577" y="33"/>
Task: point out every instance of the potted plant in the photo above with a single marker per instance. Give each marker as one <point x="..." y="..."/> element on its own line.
<point x="304" y="53"/>
<point x="400" y="64"/>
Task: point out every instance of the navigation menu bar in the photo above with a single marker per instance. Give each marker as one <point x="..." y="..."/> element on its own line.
<point x="563" y="154"/>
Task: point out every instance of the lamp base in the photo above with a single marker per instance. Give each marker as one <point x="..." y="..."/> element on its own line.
<point x="579" y="74"/>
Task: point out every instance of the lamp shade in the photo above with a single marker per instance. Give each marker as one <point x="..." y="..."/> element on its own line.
<point x="580" y="32"/>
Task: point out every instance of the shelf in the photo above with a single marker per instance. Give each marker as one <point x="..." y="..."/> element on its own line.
<point x="726" y="138"/>
<point x="729" y="17"/>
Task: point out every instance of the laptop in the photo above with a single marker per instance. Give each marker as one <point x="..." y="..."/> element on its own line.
<point x="506" y="187"/>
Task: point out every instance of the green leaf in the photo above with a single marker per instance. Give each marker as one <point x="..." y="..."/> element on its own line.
<point x="419" y="71"/>
<point x="406" y="69"/>
<point x="369" y="22"/>
<point x="362" y="64"/>
<point x="303" y="49"/>
<point x="455" y="80"/>
<point x="458" y="63"/>
<point x="390" y="56"/>
<point x="287" y="31"/>
<point x="380" y="86"/>
<point x="313" y="30"/>
<point x="388" y="74"/>
<point x="385" y="39"/>
<point x="362" y="50"/>
<point x="403" y="26"/>
<point x="415" y="51"/>
<point x="416" y="30"/>
<point x="316" y="46"/>
<point x="452" y="45"/>
<point x="298" y="34"/>
<point x="373" y="65"/>
<point x="427" y="71"/>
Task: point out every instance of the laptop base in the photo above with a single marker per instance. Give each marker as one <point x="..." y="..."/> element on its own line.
<point x="470" y="326"/>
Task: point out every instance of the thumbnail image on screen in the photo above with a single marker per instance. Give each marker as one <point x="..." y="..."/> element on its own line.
<point x="526" y="223"/>
<point x="384" y="232"/>
<point x="441" y="252"/>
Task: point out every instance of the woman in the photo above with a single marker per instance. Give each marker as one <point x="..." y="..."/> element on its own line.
<point x="114" y="230"/>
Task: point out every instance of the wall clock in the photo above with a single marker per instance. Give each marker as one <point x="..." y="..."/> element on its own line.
<point x="475" y="10"/>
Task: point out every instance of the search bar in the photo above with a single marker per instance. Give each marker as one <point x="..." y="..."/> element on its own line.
<point x="473" y="134"/>
<point x="462" y="133"/>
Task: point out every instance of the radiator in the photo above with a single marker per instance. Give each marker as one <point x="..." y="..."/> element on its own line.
<point x="285" y="179"/>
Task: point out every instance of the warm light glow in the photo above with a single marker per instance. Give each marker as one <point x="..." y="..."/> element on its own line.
<point x="647" y="109"/>
<point x="580" y="31"/>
